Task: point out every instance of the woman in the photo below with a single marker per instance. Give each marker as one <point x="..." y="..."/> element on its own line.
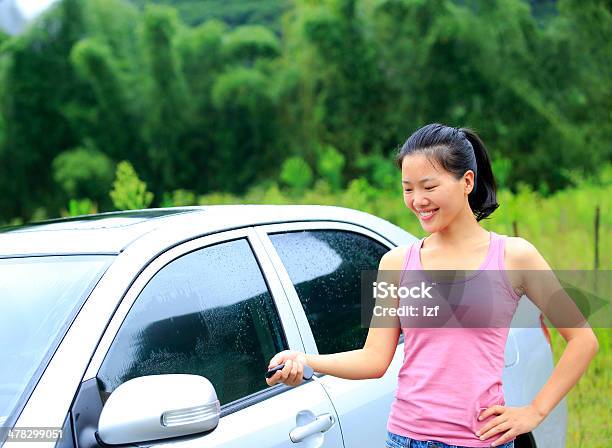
<point x="449" y="388"/>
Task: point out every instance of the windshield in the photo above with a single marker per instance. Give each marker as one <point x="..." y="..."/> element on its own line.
<point x="39" y="297"/>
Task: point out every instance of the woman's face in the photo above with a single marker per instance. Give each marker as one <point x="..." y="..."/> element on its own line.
<point x="432" y="193"/>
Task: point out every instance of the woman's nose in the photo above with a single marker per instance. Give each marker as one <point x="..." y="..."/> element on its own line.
<point x="420" y="200"/>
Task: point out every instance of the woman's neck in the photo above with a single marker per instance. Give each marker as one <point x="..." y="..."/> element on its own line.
<point x="463" y="231"/>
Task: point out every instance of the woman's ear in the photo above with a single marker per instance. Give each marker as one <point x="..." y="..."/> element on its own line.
<point x="468" y="179"/>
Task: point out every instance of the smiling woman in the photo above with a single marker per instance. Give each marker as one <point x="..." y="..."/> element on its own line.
<point x="449" y="185"/>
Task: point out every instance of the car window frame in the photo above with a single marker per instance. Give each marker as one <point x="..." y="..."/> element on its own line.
<point x="263" y="232"/>
<point x="279" y="299"/>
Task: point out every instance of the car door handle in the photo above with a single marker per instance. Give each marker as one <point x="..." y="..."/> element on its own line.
<point x="320" y="424"/>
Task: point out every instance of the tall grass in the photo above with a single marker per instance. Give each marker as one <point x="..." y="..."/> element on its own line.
<point x="589" y="401"/>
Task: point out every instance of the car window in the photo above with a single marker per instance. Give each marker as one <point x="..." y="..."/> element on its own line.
<point x="208" y="313"/>
<point x="40" y="296"/>
<point x="325" y="267"/>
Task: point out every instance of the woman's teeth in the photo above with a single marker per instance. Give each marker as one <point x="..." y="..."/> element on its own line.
<point x="427" y="214"/>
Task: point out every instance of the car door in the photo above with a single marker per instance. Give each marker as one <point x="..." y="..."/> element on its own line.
<point x="212" y="307"/>
<point x="320" y="265"/>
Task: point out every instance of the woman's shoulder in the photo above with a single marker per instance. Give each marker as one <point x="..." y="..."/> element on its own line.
<point x="520" y="253"/>
<point x="395" y="257"/>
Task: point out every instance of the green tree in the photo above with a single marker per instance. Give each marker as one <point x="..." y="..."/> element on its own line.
<point x="38" y="86"/>
<point x="405" y="34"/>
<point x="339" y="77"/>
<point x="297" y="174"/>
<point x="330" y="165"/>
<point x="129" y="192"/>
<point x="244" y="102"/>
<point x="168" y="105"/>
<point x="200" y="52"/>
<point x="115" y="126"/>
<point x="77" y="207"/>
<point x="84" y="173"/>
<point x="246" y="44"/>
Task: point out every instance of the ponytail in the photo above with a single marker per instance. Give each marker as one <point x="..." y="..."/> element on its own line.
<point x="483" y="198"/>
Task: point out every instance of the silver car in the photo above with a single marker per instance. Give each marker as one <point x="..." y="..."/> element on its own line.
<point x="155" y="327"/>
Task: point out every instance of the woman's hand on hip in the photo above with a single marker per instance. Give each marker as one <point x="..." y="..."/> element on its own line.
<point x="510" y="421"/>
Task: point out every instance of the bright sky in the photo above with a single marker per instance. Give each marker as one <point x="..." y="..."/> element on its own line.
<point x="15" y="14"/>
<point x="31" y="8"/>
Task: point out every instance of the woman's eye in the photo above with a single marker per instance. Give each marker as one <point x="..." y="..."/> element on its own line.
<point x="406" y="190"/>
<point x="429" y="188"/>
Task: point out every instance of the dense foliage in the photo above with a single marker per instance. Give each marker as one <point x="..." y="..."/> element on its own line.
<point x="330" y="95"/>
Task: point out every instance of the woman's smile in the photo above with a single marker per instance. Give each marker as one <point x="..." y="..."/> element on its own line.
<point x="426" y="215"/>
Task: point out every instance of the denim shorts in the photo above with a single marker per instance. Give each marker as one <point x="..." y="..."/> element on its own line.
<point x="397" y="441"/>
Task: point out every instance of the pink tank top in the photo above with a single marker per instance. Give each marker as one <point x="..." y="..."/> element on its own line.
<point x="450" y="375"/>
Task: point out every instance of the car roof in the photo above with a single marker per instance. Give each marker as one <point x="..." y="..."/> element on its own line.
<point x="97" y="221"/>
<point x="111" y="233"/>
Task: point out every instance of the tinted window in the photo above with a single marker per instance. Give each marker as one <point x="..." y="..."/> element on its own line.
<point x="325" y="267"/>
<point x="207" y="313"/>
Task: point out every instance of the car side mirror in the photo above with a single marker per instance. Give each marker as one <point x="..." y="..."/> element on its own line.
<point x="159" y="407"/>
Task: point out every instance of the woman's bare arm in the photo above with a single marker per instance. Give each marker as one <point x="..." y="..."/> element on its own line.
<point x="373" y="360"/>
<point x="545" y="291"/>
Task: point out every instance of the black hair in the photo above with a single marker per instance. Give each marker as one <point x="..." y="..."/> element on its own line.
<point x="457" y="150"/>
